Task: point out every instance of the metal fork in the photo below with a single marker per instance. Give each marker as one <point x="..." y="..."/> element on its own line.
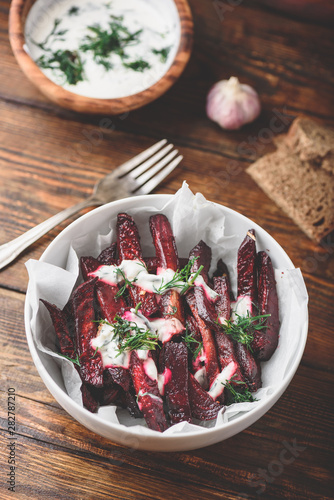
<point x="137" y="176"/>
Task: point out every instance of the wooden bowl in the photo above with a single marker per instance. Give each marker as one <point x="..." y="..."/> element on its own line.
<point x="17" y="17"/>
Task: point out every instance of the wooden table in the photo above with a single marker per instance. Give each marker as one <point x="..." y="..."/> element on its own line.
<point x="50" y="159"/>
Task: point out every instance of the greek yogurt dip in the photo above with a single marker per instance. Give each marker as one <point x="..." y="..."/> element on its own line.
<point x="103" y="49"/>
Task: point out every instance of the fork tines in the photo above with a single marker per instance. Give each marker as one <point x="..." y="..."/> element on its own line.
<point x="150" y="167"/>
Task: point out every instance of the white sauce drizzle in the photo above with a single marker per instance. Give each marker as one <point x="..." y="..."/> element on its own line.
<point x="108" y="347"/>
<point x="160" y="27"/>
<point x="107" y="343"/>
<point x="217" y="386"/>
<point x="143" y="393"/>
<point x="200" y="376"/>
<point x="241" y="306"/>
<point x="211" y="294"/>
<point x="136" y="272"/>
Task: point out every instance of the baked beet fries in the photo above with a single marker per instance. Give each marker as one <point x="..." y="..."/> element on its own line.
<point x="162" y="338"/>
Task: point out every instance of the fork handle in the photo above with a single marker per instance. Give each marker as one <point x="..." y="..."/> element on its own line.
<point x="9" y="251"/>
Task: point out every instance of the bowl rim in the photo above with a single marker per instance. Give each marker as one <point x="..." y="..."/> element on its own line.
<point x="232" y="427"/>
<point x="91" y="105"/>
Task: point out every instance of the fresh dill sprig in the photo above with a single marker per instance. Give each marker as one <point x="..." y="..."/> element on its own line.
<point x="163" y="53"/>
<point x="183" y="279"/>
<point x="138" y="306"/>
<point x="73" y="11"/>
<point x="127" y="282"/>
<point x="65" y="61"/>
<point x="75" y="361"/>
<point x="243" y="328"/>
<point x="194" y="346"/>
<point x="95" y="352"/>
<point x="139" y="65"/>
<point x="172" y="312"/>
<point x="238" y="396"/>
<point x="191" y="280"/>
<point x="53" y="33"/>
<point x="114" y="40"/>
<point x="130" y="336"/>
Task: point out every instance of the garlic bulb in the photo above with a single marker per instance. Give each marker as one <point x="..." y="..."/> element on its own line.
<point x="232" y="104"/>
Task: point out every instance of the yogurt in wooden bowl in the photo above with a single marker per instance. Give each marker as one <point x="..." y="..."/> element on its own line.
<point x="100" y="57"/>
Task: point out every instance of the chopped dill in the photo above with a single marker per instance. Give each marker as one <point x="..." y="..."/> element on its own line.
<point x="53" y="33"/>
<point x="138" y="306"/>
<point x="114" y="40"/>
<point x="183" y="279"/>
<point x="238" y="396"/>
<point x="172" y="312"/>
<point x="126" y="282"/>
<point x="192" y="344"/>
<point x="163" y="53"/>
<point x="130" y="336"/>
<point x="242" y="330"/>
<point x="65" y="61"/>
<point x="73" y="11"/>
<point x="75" y="361"/>
<point x="139" y="65"/>
<point x="95" y="352"/>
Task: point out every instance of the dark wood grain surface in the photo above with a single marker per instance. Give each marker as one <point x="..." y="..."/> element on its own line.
<point x="49" y="160"/>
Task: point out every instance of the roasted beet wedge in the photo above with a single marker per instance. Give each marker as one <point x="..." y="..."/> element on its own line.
<point x="110" y="394"/>
<point x="246" y="268"/>
<point x="88" y="265"/>
<point x="209" y="346"/>
<point x="171" y="306"/>
<point x="250" y="367"/>
<point x="221" y="286"/>
<point x="148" y="395"/>
<point x="151" y="264"/>
<point x="109" y="304"/>
<point x="221" y="269"/>
<point x="193" y="327"/>
<point x="89" y="396"/>
<point x="91" y="366"/>
<point x="203" y="255"/>
<point x="226" y="354"/>
<point x="58" y="318"/>
<point x="117" y="375"/>
<point x="203" y="407"/>
<point x="90" y="399"/>
<point x="196" y="364"/>
<point x="128" y="239"/>
<point x="266" y="340"/>
<point x="164" y="242"/>
<point x="176" y="388"/>
<point x="128" y="244"/>
<point x="225" y="345"/>
<point x="167" y="258"/>
<point x="204" y="304"/>
<point x="108" y="256"/>
<point x="128" y="400"/>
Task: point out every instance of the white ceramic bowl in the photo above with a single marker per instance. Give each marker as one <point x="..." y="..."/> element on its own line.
<point x="50" y="372"/>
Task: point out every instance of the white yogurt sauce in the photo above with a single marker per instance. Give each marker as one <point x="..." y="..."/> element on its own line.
<point x="242" y="306"/>
<point x="107" y="343"/>
<point x="211" y="294"/>
<point x="158" y="21"/>
<point x="217" y="386"/>
<point x="136" y="272"/>
<point x="108" y="347"/>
